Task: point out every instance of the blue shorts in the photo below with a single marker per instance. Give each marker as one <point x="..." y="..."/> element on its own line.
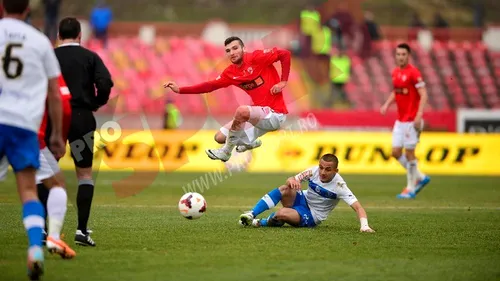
<point x="300" y="205"/>
<point x="20" y="146"/>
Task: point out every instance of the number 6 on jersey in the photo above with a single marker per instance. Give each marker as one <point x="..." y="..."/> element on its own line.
<point x="8" y="59"/>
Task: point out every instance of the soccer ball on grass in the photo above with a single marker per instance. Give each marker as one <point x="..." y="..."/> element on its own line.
<point x="192" y="205"/>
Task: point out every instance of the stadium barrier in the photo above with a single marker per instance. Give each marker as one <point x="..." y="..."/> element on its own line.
<point x="290" y="151"/>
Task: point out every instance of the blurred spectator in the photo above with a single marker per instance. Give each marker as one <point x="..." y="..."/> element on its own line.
<point x="340" y="74"/>
<point x="372" y="26"/>
<point x="309" y="24"/>
<point x="478" y="15"/>
<point x="100" y="19"/>
<point x="416" y="21"/>
<point x="172" y="116"/>
<point x="342" y="24"/>
<point x="1" y="11"/>
<point x="51" y="18"/>
<point x="439" y="21"/>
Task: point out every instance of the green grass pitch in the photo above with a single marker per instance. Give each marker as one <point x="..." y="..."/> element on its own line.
<point x="450" y="232"/>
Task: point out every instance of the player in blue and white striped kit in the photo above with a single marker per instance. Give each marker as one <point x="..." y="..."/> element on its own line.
<point x="310" y="207"/>
<point x="29" y="68"/>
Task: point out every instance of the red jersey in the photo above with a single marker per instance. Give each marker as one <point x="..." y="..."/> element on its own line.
<point x="256" y="76"/>
<point x="405" y="82"/>
<point x="66" y="99"/>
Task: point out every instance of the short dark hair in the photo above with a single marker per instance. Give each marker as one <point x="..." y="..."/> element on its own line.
<point x="331" y="158"/>
<point x="69" y="28"/>
<point x="404" y="46"/>
<point x="15" y="7"/>
<point x="233" y="38"/>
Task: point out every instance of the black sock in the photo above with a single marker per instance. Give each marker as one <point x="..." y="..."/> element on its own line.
<point x="43" y="195"/>
<point x="84" y="202"/>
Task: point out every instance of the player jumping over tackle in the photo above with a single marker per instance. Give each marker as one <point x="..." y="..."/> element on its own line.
<point x="255" y="74"/>
<point x="411" y="96"/>
<point x="307" y="208"/>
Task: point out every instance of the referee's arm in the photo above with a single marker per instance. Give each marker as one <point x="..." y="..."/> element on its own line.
<point x="102" y="81"/>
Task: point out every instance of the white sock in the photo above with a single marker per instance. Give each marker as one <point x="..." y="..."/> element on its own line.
<point x="412" y="174"/>
<point x="56" y="209"/>
<point x="403" y="161"/>
<point x="232" y="140"/>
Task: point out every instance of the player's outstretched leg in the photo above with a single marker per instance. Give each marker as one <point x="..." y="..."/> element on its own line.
<point x="278" y="219"/>
<point x="268" y="201"/>
<point x="284" y="193"/>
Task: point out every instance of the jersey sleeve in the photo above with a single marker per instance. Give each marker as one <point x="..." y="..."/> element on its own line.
<point x="305" y="175"/>
<point x="221" y="81"/>
<point x="50" y="62"/>
<point x="266" y="57"/>
<point x="344" y="193"/>
<point x="417" y="79"/>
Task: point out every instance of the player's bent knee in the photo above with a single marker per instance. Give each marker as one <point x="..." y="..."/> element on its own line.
<point x="410" y="154"/>
<point x="220" y="138"/>
<point x="84" y="173"/>
<point x="55" y="181"/>
<point x="397" y="152"/>
<point x="242" y="113"/>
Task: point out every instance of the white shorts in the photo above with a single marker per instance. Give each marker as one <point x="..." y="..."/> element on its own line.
<point x="404" y="134"/>
<point x="48" y="166"/>
<point x="266" y="120"/>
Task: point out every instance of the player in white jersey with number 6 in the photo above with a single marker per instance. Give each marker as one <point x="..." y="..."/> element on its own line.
<point x="29" y="68"/>
<point x="307" y="208"/>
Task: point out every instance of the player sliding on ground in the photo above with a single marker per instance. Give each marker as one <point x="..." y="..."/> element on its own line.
<point x="307" y="208"/>
<point x="255" y="74"/>
<point x="410" y="96"/>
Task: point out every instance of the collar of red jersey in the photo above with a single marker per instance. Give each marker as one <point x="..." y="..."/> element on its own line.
<point x="69" y="44"/>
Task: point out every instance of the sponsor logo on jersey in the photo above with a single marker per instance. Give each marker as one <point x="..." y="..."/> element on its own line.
<point x="402" y="91"/>
<point x="252" y="84"/>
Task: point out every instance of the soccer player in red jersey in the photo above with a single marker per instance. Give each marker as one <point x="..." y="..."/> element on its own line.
<point x="255" y="74"/>
<point x="410" y="95"/>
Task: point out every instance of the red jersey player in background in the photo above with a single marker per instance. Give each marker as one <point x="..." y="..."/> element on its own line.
<point x="256" y="75"/>
<point x="410" y="95"/>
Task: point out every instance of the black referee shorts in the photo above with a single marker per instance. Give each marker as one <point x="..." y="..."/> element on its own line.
<point x="81" y="137"/>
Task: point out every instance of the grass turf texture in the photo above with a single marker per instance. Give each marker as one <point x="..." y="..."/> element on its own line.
<point x="450" y="232"/>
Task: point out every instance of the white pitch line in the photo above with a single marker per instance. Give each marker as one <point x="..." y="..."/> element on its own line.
<point x="340" y="207"/>
<point x="249" y="207"/>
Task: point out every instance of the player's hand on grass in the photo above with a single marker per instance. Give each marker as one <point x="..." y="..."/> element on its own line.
<point x="57" y="146"/>
<point x="383" y="109"/>
<point x="172" y="85"/>
<point x="367" y="229"/>
<point x="278" y="87"/>
<point x="293" y="183"/>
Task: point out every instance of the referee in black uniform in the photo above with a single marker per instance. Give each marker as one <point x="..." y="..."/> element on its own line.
<point x="90" y="83"/>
